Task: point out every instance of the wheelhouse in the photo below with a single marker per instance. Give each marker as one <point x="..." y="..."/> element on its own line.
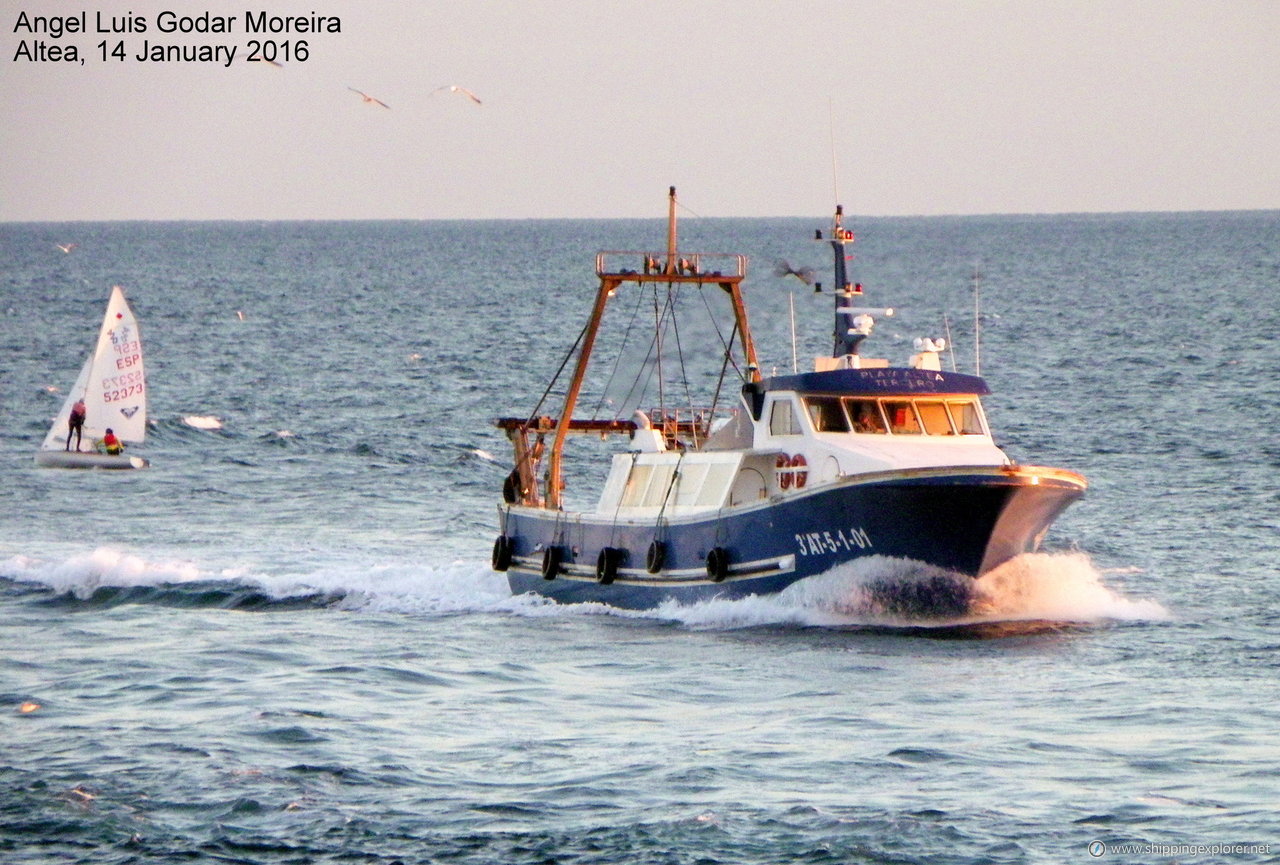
<point x="934" y="416"/>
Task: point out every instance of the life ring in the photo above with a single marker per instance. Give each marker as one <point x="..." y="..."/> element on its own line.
<point x="718" y="564"/>
<point x="783" y="466"/>
<point x="551" y="557"/>
<point x="607" y="564"/>
<point x="800" y="473"/>
<point x="656" y="557"/>
<point x="502" y="553"/>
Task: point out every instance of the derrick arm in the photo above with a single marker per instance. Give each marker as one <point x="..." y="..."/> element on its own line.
<point x="554" y="484"/>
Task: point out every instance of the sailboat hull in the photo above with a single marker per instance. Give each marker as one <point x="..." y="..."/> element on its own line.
<point x="73" y="460"/>
<point x="962" y="520"/>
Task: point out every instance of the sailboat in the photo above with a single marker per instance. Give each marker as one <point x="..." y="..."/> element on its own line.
<point x="113" y="386"/>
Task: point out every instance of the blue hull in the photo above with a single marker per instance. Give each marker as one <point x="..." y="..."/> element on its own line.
<point x="962" y="520"/>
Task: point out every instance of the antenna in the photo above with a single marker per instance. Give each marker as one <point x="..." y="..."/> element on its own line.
<point x="831" y="127"/>
<point x="791" y="301"/>
<point x="977" y="326"/>
<point x="951" y="346"/>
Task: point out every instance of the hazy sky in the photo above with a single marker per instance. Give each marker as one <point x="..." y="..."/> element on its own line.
<point x="593" y="107"/>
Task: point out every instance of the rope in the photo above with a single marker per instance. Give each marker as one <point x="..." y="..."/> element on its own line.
<point x="657" y="329"/>
<point x="675" y="476"/>
<point x="684" y="370"/>
<point x="728" y="351"/>
<point x="724" y="367"/>
<point x="556" y="377"/>
<point x="617" y="361"/>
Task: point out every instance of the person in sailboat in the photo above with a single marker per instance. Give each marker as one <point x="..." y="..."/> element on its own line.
<point x="111" y="444"/>
<point x="75" y="423"/>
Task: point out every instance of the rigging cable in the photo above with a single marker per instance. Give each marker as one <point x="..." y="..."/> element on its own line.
<point x="657" y="330"/>
<point x="728" y="351"/>
<point x="556" y="377"/>
<point x="675" y="329"/>
<point x="617" y="363"/>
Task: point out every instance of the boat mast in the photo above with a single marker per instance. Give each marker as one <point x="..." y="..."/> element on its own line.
<point x="846" y="341"/>
<point x="672" y="261"/>
<point x="853" y="323"/>
<point x="674" y="269"/>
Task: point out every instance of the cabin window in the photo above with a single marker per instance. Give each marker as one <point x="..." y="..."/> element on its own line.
<point x="688" y="484"/>
<point x="934" y="417"/>
<point x="637" y="485"/>
<point x="902" y="417"/>
<point x="781" y="420"/>
<point x="827" y="414"/>
<point x="647" y="486"/>
<point x="718" y="478"/>
<point x="966" y="416"/>
<point x="866" y="416"/>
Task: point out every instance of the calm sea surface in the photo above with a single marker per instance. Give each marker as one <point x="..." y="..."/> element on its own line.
<point x="283" y="643"/>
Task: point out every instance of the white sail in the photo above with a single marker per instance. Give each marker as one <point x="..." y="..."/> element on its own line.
<point x="112" y="383"/>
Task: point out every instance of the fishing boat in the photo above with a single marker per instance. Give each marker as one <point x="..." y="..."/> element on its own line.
<point x="112" y="385"/>
<point x="802" y="473"/>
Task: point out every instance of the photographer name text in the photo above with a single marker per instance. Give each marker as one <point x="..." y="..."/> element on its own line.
<point x="170" y="37"/>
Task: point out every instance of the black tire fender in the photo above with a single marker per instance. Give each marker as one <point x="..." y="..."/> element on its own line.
<point x="551" y="558"/>
<point x="502" y="553"/>
<point x="607" y="564"/>
<point x="656" y="557"/>
<point x="718" y="564"/>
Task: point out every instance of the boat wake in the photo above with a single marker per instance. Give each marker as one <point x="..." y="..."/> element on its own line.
<point x="109" y="577"/>
<point x="1031" y="592"/>
<point x="1039" y="591"/>
<point x="202" y="421"/>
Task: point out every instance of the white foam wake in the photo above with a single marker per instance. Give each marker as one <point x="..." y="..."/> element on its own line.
<point x="202" y="421"/>
<point x="873" y="591"/>
<point x="82" y="574"/>
<point x="393" y="586"/>
<point x="878" y="591"/>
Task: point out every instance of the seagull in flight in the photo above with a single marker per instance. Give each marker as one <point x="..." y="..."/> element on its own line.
<point x="370" y="99"/>
<point x="783" y="269"/>
<point x="454" y="88"/>
<point x="66" y="247"/>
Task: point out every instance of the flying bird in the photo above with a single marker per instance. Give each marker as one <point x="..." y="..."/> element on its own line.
<point x="454" y="88"/>
<point x="367" y="98"/>
<point x="66" y="247"/>
<point x="804" y="274"/>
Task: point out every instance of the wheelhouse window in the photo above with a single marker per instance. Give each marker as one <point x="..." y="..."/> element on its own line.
<point x="781" y="420"/>
<point x="865" y="415"/>
<point x="826" y="414"/>
<point x="967" y="416"/>
<point x="902" y="417"/>
<point x="934" y="417"/>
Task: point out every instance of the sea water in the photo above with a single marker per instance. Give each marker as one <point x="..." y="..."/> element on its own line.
<point x="283" y="642"/>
